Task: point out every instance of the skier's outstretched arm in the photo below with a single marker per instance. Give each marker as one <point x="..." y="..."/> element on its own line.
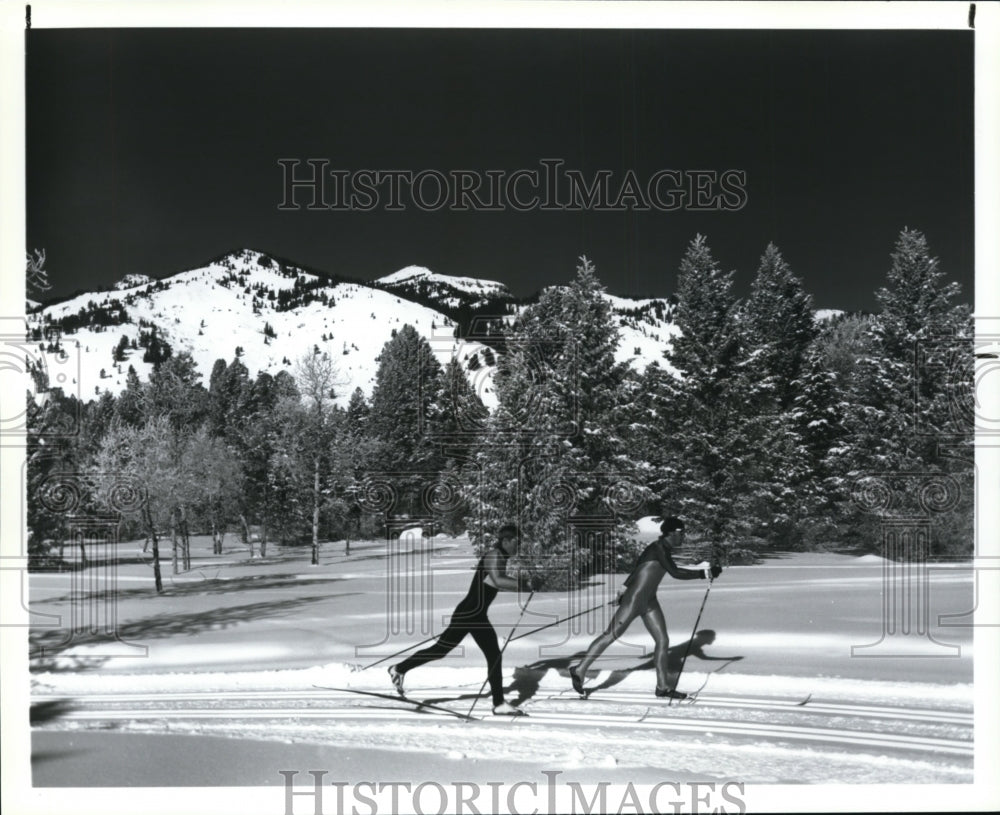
<point x="699" y="572"/>
<point x="496" y="577"/>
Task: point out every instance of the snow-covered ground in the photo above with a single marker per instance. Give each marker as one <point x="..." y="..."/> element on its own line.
<point x="246" y="667"/>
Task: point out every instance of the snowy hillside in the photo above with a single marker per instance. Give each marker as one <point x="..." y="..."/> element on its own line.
<point x="645" y="331"/>
<point x="270" y="312"/>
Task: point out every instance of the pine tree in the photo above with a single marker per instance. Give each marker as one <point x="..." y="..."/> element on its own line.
<point x="904" y="392"/>
<point x="130" y="406"/>
<point x="358" y="411"/>
<point x="461" y="419"/>
<point x="51" y="449"/>
<point x="404" y="412"/>
<point x="650" y="419"/>
<point x="493" y="485"/>
<point x="705" y="313"/>
<point x="777" y="327"/>
<point x="917" y="313"/>
<point x="229" y="399"/>
<point x="778" y="323"/>
<point x="354" y="450"/>
<point x="119" y="353"/>
<point x="817" y="414"/>
<point x="701" y="475"/>
<point x="556" y="444"/>
<point x="460" y="413"/>
<point x="157" y="351"/>
<point x="256" y="449"/>
<point x="175" y="390"/>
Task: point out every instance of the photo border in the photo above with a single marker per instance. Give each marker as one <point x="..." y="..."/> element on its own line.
<point x="21" y="798"/>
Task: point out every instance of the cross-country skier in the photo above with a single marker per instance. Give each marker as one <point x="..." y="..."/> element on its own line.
<point x="638" y="598"/>
<point x="470" y="617"/>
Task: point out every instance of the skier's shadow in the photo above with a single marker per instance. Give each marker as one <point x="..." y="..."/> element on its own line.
<point x="675" y="659"/>
<point x="528" y="678"/>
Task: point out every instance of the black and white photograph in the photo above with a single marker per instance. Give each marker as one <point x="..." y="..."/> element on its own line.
<point x="500" y="407"/>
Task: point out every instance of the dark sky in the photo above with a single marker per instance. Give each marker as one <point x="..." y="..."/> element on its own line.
<point x="154" y="150"/>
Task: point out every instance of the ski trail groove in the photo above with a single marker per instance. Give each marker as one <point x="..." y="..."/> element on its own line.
<point x="699" y="720"/>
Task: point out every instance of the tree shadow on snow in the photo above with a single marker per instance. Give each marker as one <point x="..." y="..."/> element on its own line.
<point x="48" y="711"/>
<point x="173" y="624"/>
<point x="384" y="555"/>
<point x="206" y="582"/>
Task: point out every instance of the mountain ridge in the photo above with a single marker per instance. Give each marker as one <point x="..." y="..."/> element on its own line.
<point x="269" y="311"/>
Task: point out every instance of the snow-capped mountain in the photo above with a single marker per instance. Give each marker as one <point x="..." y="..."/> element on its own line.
<point x="418" y="283"/>
<point x="270" y="312"/>
<point x="133" y="281"/>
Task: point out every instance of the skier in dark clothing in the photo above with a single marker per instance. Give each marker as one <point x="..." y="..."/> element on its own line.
<point x="638" y="598"/>
<point x="470" y="617"/>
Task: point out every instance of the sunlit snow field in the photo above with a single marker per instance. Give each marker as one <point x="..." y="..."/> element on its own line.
<point x="239" y="657"/>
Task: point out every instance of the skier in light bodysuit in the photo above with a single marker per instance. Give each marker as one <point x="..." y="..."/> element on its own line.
<point x="470" y="617"/>
<point x="639" y="599"/>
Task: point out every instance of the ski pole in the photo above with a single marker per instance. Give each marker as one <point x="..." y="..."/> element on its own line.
<point x="399" y="653"/>
<point x="519" y="636"/>
<point x="687" y="650"/>
<point x="500" y="657"/>
<point x="563" y="620"/>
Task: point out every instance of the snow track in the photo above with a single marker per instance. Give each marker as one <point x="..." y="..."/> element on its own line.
<point x="900" y="731"/>
<point x="831" y="708"/>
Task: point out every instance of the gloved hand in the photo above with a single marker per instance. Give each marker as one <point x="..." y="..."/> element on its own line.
<point x="710" y="572"/>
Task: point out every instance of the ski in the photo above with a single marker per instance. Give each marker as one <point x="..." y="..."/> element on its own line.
<point x="789" y="703"/>
<point x="692" y="698"/>
<point x="397" y="698"/>
<point x="679" y="703"/>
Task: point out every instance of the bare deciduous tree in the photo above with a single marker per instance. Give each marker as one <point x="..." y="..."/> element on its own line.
<point x="317" y="378"/>
<point x="36" y="276"/>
